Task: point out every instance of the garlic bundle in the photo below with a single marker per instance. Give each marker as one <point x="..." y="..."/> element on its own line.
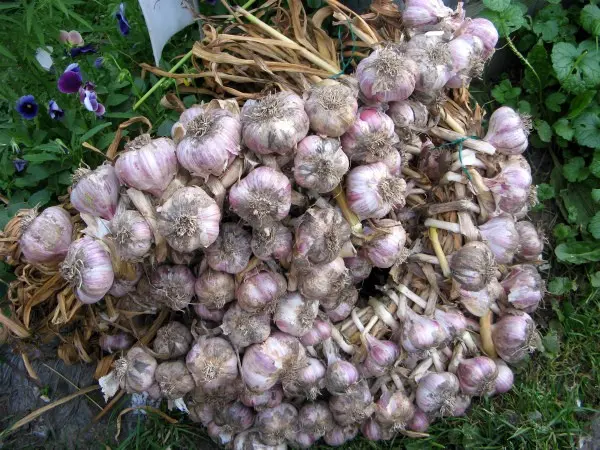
<point x="174" y="379"/>
<point x="508" y="131"/>
<point x="88" y="268"/>
<point x="531" y="244"/>
<point x="46" y="237"/>
<point x="524" y="287"/>
<point x="295" y="314"/>
<point x="320" y="163"/>
<point x="147" y="164"/>
<point x="214" y="289"/>
<point x="244" y="328"/>
<point x="172" y="341"/>
<point x="274" y="241"/>
<point x="96" y="192"/>
<point x="473" y="266"/>
<point x="135" y="371"/>
<point x="132" y="235"/>
<point x="331" y="106"/>
<point x="262" y="198"/>
<point x="212" y="140"/>
<point x="212" y="362"/>
<point x="274" y="124"/>
<point x="385" y="243"/>
<point x="231" y="250"/>
<point x="189" y="219"/>
<point x="260" y="291"/>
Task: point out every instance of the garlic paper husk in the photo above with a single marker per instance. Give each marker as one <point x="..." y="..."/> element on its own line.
<point x="505" y="378"/>
<point x="320" y="331"/>
<point x="88" y="268"/>
<point x="213" y="315"/>
<point x="260" y="291"/>
<point x="250" y="440"/>
<point x="147" y="164"/>
<point x="172" y="341"/>
<point x="222" y="435"/>
<point x="189" y="219"/>
<point x="339" y="435"/>
<point x="295" y="314"/>
<point x="262" y="198"/>
<point x="393" y="409"/>
<point x="387" y="75"/>
<point x="421" y="333"/>
<point x="211" y="142"/>
<point x="244" y="328"/>
<point x="262" y="400"/>
<point x="434" y="162"/>
<point x="331" y="106"/>
<point x="452" y="320"/>
<point x="385" y="243"/>
<point x="501" y="236"/>
<point x="340" y="307"/>
<point x="359" y="267"/>
<point x="214" y="289"/>
<point x="135" y="371"/>
<point x="408" y="114"/>
<point x="315" y="418"/>
<point x="524" y="287"/>
<point x="112" y="343"/>
<point x="216" y="397"/>
<point x="308" y="380"/>
<point x="354" y="406"/>
<point x="467" y="60"/>
<point x="173" y="286"/>
<point x="419" y="422"/>
<point x="512" y="186"/>
<point x="237" y="416"/>
<point x="278" y="424"/>
<point x="434" y="61"/>
<point x="272" y="242"/>
<point x="46" y="237"/>
<point x="320" y="163"/>
<point x="371" y="138"/>
<point x="473" y="266"/>
<point x="438" y="394"/>
<point x="123" y="286"/>
<point x="174" y="379"/>
<point x="514" y="336"/>
<point x="373" y="431"/>
<point x="320" y="236"/>
<point x="477" y="376"/>
<point x="179" y="128"/>
<point x="96" y="192"/>
<point x="132" y="235"/>
<point x="418" y="14"/>
<point x="212" y="362"/>
<point x="531" y="244"/>
<point x="274" y="124"/>
<point x="231" y="251"/>
<point x="478" y="303"/>
<point x="381" y="355"/>
<point x="341" y="376"/>
<point x="324" y="280"/>
<point x="508" y="131"/>
<point x="372" y="191"/>
<point x="200" y="412"/>
<point x="484" y="30"/>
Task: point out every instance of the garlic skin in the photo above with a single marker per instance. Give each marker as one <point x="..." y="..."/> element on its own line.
<point x="46" y="237"/>
<point x="371" y="138"/>
<point x="477" y="376"/>
<point x="342" y="305"/>
<point x="295" y="314"/>
<point x="212" y="140"/>
<point x="484" y="30"/>
<point x="408" y="114"/>
<point x="214" y="289"/>
<point x="96" y="192"/>
<point x="315" y="419"/>
<point x="250" y="440"/>
<point x="514" y="337"/>
<point x="274" y="124"/>
<point x="359" y="267"/>
<point x="478" y="303"/>
<point x="189" y="220"/>
<point x="231" y="251"/>
<point x="501" y="236"/>
<point x="508" y="131"/>
<point x="339" y="435"/>
<point x="244" y="328"/>
<point x="467" y="62"/>
<point x="320" y="331"/>
<point x="308" y="380"/>
<point x="354" y="406"/>
<point x="372" y="191"/>
<point x="324" y="280"/>
<point x="262" y="198"/>
<point x="272" y="242"/>
<point x="88" y="268"/>
<point x="278" y="424"/>
<point x="393" y="409"/>
<point x="213" y="315"/>
<point x="262" y="400"/>
<point x="320" y="163"/>
<point x="320" y="236"/>
<point x="381" y="355"/>
<point x="135" y="371"/>
<point x="473" y="266"/>
<point x="437" y="393"/>
<point x="212" y="362"/>
<point x="531" y="244"/>
<point x="147" y="164"/>
<point x="260" y="291"/>
<point x="433" y="59"/>
<point x="119" y="341"/>
<point x="236" y="417"/>
<point x="421" y="333"/>
<point x="132" y="235"/>
<point x="331" y="106"/>
<point x="419" y="422"/>
<point x="385" y="243"/>
<point x="174" y="379"/>
<point x="173" y="286"/>
<point x="420" y="13"/>
<point x="524" y="287"/>
<point x="386" y="75"/>
<point x="505" y="378"/>
<point x="172" y="341"/>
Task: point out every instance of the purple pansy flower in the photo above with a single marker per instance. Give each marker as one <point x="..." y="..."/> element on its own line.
<point x="55" y="111"/>
<point x="99" y="62"/>
<point x="76" y="51"/>
<point x="70" y="81"/>
<point x="100" y="111"/>
<point x="122" y="21"/>
<point x="211" y="2"/>
<point x="19" y="164"/>
<point x="89" y="99"/>
<point x="27" y="107"/>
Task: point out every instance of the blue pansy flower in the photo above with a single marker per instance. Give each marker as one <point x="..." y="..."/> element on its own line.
<point x="76" y="51"/>
<point x="70" y="81"/>
<point x="99" y="62"/>
<point x="122" y="21"/>
<point x="19" y="164"/>
<point x="27" y="107"/>
<point x="55" y="111"/>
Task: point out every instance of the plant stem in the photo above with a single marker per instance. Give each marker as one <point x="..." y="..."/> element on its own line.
<point x="439" y="252"/>
<point x="485" y="331"/>
<point x="524" y="60"/>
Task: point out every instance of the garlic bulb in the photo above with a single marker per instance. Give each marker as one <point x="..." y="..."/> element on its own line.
<point x="381" y="355"/>
<point x="478" y="303"/>
<point x="172" y="341"/>
<point x="359" y="268"/>
<point x="484" y="30"/>
<point x="433" y="59"/>
<point x="88" y="268"/>
<point x="508" y="131"/>
<point x="419" y="422"/>
<point x="132" y="235"/>
<point x="408" y="114"/>
<point x="135" y="371"/>
<point x="308" y="380"/>
<point x="531" y="244"/>
<point x="342" y="305"/>
<point x="315" y="419"/>
<point x="274" y="241"/>
<point x="421" y="333"/>
<point x="244" y="328"/>
<point x="320" y="236"/>
<point x="214" y="289"/>
<point x="339" y="435"/>
<point x="324" y="280"/>
<point x="373" y="431"/>
<point x="320" y="163"/>
<point x="331" y="106"/>
<point x="341" y="375"/>
<point x="372" y="191"/>
<point x="320" y="331"/>
<point x="236" y="417"/>
<point x="96" y="192"/>
<point x="250" y="440"/>
<point x="371" y="138"/>
<point x="524" y="287"/>
<point x="512" y="186"/>
<point x="278" y="424"/>
<point x="477" y="376"/>
<point x="112" y="343"/>
<point x="221" y="434"/>
<point x="189" y="219"/>
<point x="393" y="409"/>
<point x="262" y="400"/>
<point x="274" y="124"/>
<point x="174" y="379"/>
<point x="260" y="291"/>
<point x="438" y="394"/>
<point x="452" y="321"/>
<point x="386" y="75"/>
<point x="214" y="315"/>
<point x="295" y="314"/>
<point x="467" y="62"/>
<point x="420" y="13"/>
<point x="217" y="397"/>
<point x="262" y="198"/>
<point x="147" y="164"/>
<point x="179" y="128"/>
<point x="212" y="140"/>
<point x="46" y="237"/>
<point x="212" y="362"/>
<point x="385" y="243"/>
<point x="354" y="406"/>
<point x="501" y="236"/>
<point x="173" y="286"/>
<point x="231" y="251"/>
<point x="514" y="337"/>
<point x="473" y="266"/>
<point x="505" y="378"/>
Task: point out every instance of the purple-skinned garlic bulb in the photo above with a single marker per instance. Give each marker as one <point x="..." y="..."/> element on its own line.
<point x="438" y="394"/>
<point x="477" y="376"/>
<point x="244" y="328"/>
<point x="381" y="355"/>
<point x="295" y="314"/>
<point x="512" y="186"/>
<point x="324" y="280"/>
<point x="501" y="236"/>
<point x="173" y="340"/>
<point x="473" y="266"/>
<point x="479" y="302"/>
<point x="524" y="287"/>
<point x="484" y="30"/>
<point x="320" y="331"/>
<point x="259" y="401"/>
<point x="278" y="424"/>
<point x="514" y="336"/>
<point x="173" y="286"/>
<point x="331" y="106"/>
<point x="272" y="242"/>
<point x="214" y="289"/>
<point x="467" y="61"/>
<point x="385" y="243"/>
<point x="212" y="362"/>
<point x="393" y="409"/>
<point x="419" y="14"/>
<point x="354" y="406"/>
<point x="231" y="251"/>
<point x="96" y="192"/>
<point x="508" y="131"/>
<point x="434" y="61"/>
<point x="320" y="163"/>
<point x="531" y="243"/>
<point x="359" y="267"/>
<point x="421" y="333"/>
<point x="339" y="307"/>
<point x="132" y="235"/>
<point x="46" y="237"/>
<point x="260" y="290"/>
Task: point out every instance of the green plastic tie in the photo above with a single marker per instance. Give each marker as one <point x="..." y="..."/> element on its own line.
<point x="345" y="64"/>
<point x="459" y="144"/>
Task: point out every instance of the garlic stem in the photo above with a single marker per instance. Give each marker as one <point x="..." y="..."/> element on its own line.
<point x="353" y="220"/>
<point x="477" y="145"/>
<point x="457" y="356"/>
<point x="437" y="362"/>
<point x="448" y="226"/>
<point x="421" y="369"/>
<point x="467" y="339"/>
<point x="347" y="250"/>
<point x="439" y="252"/>
<point x="385" y="316"/>
<point x="451" y="121"/>
<point x="411" y="295"/>
<point x="424" y="258"/>
<point x="371" y="324"/>
<point x="471" y="161"/>
<point x="397" y="382"/>
<point x="485" y="332"/>
<point x="357" y="322"/>
<point x="457" y="205"/>
<point x="378" y="383"/>
<point x="341" y="342"/>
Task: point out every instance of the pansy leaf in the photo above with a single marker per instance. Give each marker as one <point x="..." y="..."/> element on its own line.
<point x="543" y="129"/>
<point x="561" y="285"/>
<point x="496" y="5"/>
<point x="94" y="131"/>
<point x="545" y="192"/>
<point x="595" y="164"/>
<point x="554" y="101"/>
